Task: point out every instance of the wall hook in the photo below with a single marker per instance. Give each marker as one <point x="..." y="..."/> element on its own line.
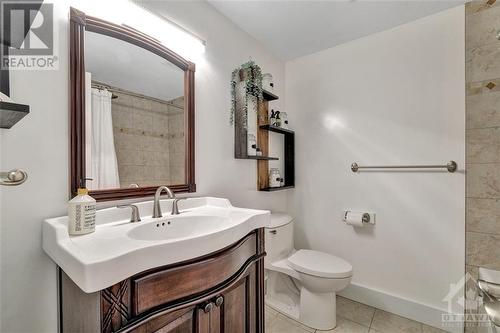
<point x="13" y="177"/>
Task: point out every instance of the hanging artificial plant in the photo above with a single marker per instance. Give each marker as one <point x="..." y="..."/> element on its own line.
<point x="251" y="74"/>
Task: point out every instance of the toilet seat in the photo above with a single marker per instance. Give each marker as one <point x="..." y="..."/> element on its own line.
<point x="320" y="264"/>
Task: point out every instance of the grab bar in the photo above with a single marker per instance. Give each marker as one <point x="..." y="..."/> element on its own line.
<point x="451" y="166"/>
<point x="13" y="177"/>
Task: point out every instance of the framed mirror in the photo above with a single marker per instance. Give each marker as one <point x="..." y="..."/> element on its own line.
<point x="131" y="112"/>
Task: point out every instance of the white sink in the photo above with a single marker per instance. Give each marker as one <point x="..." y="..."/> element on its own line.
<point x="179" y="227"/>
<point x="119" y="249"/>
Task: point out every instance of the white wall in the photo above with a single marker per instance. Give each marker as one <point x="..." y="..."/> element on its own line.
<point x="39" y="144"/>
<point x="395" y="97"/>
<point x="217" y="172"/>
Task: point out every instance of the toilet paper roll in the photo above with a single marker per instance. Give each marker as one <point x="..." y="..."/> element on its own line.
<point x="355" y="219"/>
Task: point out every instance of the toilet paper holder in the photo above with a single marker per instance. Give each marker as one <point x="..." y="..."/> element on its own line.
<point x="367" y="218"/>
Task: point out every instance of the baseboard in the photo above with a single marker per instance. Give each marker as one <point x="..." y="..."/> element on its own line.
<point x="403" y="307"/>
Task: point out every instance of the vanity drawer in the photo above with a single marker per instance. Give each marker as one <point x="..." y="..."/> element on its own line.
<point x="167" y="285"/>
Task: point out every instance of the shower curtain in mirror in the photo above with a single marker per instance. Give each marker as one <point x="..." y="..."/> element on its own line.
<point x="103" y="159"/>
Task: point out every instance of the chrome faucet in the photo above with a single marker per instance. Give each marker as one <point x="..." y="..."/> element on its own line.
<point x="156" y="203"/>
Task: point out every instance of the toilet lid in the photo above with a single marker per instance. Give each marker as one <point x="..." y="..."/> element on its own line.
<point x="320" y="264"/>
<point x="279" y="220"/>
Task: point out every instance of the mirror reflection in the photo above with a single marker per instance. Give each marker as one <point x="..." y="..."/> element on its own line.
<point x="135" y="116"/>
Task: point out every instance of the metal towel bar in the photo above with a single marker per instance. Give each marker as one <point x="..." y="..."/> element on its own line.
<point x="451" y="166"/>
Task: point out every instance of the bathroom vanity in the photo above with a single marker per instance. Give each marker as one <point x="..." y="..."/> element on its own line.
<point x="221" y="292"/>
<point x="200" y="271"/>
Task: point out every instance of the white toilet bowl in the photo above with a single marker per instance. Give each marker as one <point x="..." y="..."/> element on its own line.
<point x="315" y="276"/>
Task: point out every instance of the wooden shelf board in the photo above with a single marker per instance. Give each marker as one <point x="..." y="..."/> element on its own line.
<point x="276" y="129"/>
<point x="269" y="96"/>
<point x="273" y="189"/>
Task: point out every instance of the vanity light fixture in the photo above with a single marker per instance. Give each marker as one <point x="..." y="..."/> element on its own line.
<point x="167" y="32"/>
<point x="132" y="14"/>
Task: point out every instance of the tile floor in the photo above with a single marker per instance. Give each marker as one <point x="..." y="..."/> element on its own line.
<point x="352" y="317"/>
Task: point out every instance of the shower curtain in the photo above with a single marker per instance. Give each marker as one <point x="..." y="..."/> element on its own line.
<point x="104" y="164"/>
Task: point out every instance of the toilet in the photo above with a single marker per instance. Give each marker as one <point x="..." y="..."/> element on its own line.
<point x="302" y="284"/>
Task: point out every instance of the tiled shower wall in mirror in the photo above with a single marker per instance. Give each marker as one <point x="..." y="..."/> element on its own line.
<point x="149" y="139"/>
<point x="482" y="140"/>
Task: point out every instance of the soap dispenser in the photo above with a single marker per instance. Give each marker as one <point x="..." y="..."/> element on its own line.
<point x="81" y="211"/>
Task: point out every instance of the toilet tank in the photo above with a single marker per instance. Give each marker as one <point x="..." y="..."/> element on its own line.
<point x="279" y="237"/>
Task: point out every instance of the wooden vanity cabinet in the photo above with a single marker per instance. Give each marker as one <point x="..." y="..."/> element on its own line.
<point x="221" y="292"/>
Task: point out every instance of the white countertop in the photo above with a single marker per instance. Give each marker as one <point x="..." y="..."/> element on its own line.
<point x="119" y="249"/>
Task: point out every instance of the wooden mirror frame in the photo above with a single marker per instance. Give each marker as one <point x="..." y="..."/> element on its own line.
<point x="79" y="23"/>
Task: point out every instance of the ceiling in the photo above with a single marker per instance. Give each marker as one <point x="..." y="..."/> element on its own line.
<point x="291" y="29"/>
<point x="129" y="67"/>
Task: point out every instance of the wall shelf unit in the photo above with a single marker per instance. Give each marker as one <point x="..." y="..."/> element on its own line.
<point x="263" y="129"/>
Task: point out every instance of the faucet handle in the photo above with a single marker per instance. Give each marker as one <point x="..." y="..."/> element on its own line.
<point x="135" y="216"/>
<point x="175" y="206"/>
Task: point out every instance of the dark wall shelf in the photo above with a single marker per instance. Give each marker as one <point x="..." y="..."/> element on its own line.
<point x="11" y="113"/>
<point x="274" y="189"/>
<point x="289" y="158"/>
<point x="276" y="129"/>
<point x="261" y="158"/>
<point x="268" y="96"/>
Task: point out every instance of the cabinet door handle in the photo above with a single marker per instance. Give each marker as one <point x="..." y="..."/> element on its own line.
<point x="274" y="232"/>
<point x="208" y="307"/>
<point x="218" y="301"/>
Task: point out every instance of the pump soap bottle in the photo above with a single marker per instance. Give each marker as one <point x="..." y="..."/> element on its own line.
<point x="81" y="212"/>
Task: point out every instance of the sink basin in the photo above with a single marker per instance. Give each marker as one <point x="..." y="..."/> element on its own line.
<point x="178" y="227"/>
<point x="119" y="249"/>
